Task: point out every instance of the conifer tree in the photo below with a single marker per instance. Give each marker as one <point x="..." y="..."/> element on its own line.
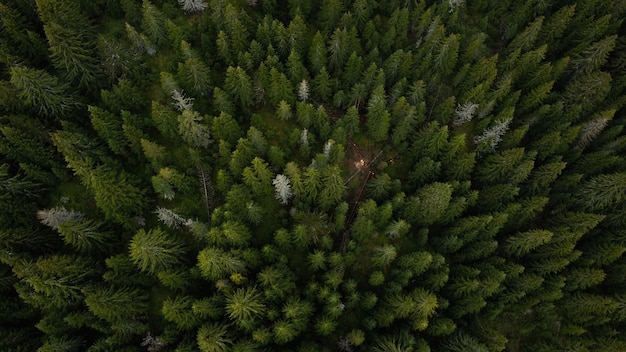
<point x="603" y="191"/>
<point x="213" y="338"/>
<point x="114" y="305"/>
<point x="153" y="23"/>
<point x="215" y="263"/>
<point x="193" y="73"/>
<point x="42" y="91"/>
<point x="153" y="251"/>
<point x="378" y="118"/>
<point x="114" y="194"/>
<point x="317" y="53"/>
<point x="84" y="235"/>
<point x="244" y="305"/>
<point x="280" y="88"/>
<point x="19" y="43"/>
<point x="191" y="6"/>
<point x="238" y="85"/>
<point x="283" y="188"/>
<point x="192" y="130"/>
<point x="67" y="30"/>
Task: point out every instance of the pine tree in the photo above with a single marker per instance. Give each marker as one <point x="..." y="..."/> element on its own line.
<point x="114" y="194"/>
<point x="258" y="177"/>
<point x="224" y="127"/>
<point x="192" y="130"/>
<point x="333" y="187"/>
<point x="42" y="91"/>
<point x="115" y="305"/>
<point x="378" y="118"/>
<point x="238" y="85"/>
<point x="586" y="90"/>
<point x="593" y="57"/>
<point x="283" y="111"/>
<point x="603" y="191"/>
<point x="541" y="177"/>
<point x="235" y="29"/>
<point x="584" y="307"/>
<point x="231" y="233"/>
<point x="109" y="128"/>
<point x="525" y="39"/>
<point x="339" y="46"/>
<point x="429" y="204"/>
<point x="523" y="243"/>
<point x="556" y="25"/>
<point x="155" y="251"/>
<point x="213" y="338"/>
<point x="391" y="343"/>
<point x="243" y="305"/>
<point x="193" y="73"/>
<point x="317" y="53"/>
<point x="84" y="235"/>
<point x="19" y="43"/>
<point x="179" y="311"/>
<point x="383" y="256"/>
<point x="284" y="331"/>
<point x="153" y="23"/>
<point x="295" y="68"/>
<point x="156" y="154"/>
<point x="139" y="40"/>
<point x="461" y="341"/>
<point x="330" y="12"/>
<point x="280" y="88"/>
<point x="191" y="6"/>
<point x="583" y="278"/>
<point x="215" y="263"/>
<point x="67" y="30"/>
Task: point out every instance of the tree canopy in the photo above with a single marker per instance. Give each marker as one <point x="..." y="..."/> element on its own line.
<point x="352" y="175"/>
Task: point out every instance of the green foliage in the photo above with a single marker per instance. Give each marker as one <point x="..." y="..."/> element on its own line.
<point x="333" y="175"/>
<point x="378" y="118"/>
<point x="84" y="235"/>
<point x="213" y="338"/>
<point x="243" y="305"/>
<point x="42" y="91"/>
<point x="215" y="263"/>
<point x="70" y="41"/>
<point x="603" y="191"/>
<point x="429" y="203"/>
<point x="524" y="243"/>
<point x="153" y="251"/>
<point x="153" y="23"/>
<point x="238" y="85"/>
<point x="115" y="304"/>
<point x="192" y="130"/>
<point x="114" y="194"/>
<point x="179" y="312"/>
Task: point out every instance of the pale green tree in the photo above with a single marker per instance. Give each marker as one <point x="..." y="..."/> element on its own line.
<point x="154" y="250"/>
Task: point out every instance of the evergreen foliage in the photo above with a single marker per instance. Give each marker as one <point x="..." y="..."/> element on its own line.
<point x="348" y="175"/>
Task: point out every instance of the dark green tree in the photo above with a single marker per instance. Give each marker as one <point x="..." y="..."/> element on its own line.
<point x="378" y="118"/>
<point x="153" y="23"/>
<point x="239" y="86"/>
<point x="71" y="41"/>
<point x="43" y="92"/>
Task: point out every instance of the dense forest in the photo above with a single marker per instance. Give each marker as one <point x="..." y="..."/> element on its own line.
<point x="303" y="175"/>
